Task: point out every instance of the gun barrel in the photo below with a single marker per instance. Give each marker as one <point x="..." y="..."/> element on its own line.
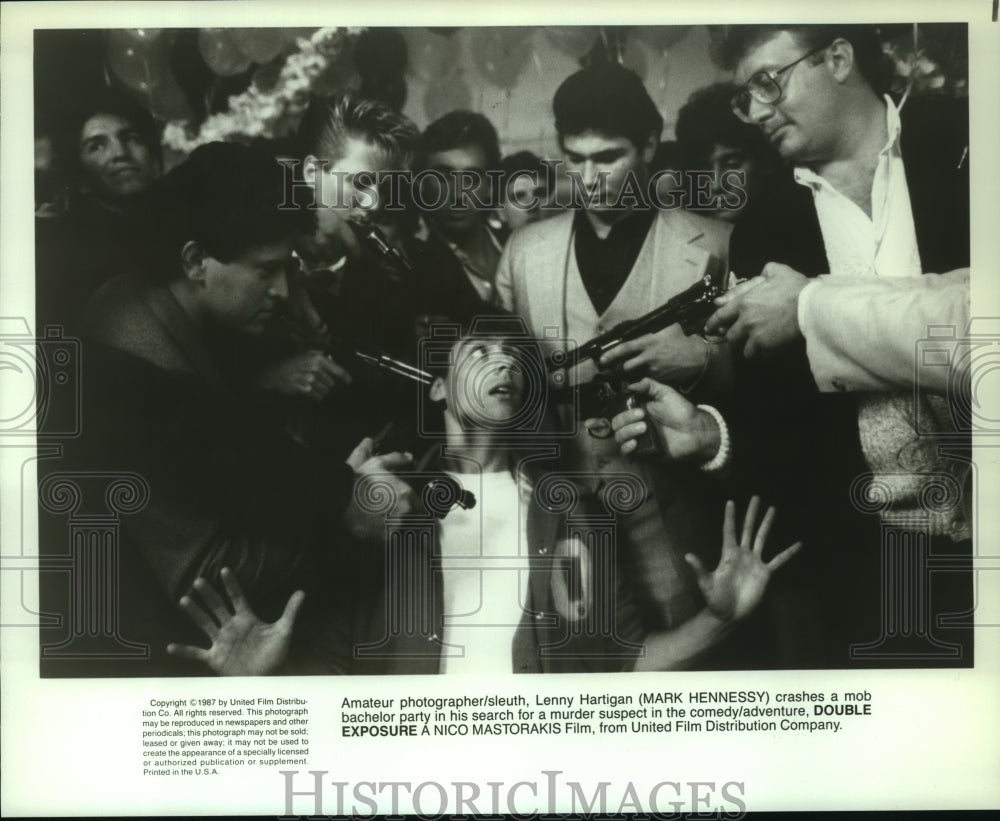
<point x="688" y="308"/>
<point x="370" y="233"/>
<point x="390" y="365"/>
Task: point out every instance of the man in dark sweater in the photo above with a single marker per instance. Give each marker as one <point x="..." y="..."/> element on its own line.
<point x="165" y="401"/>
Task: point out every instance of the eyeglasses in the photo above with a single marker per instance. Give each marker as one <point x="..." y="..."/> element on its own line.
<point x="764" y="88"/>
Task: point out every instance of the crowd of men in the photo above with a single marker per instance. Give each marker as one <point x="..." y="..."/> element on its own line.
<point x="347" y="379"/>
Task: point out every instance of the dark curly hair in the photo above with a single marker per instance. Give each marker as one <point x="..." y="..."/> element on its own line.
<point x="69" y="126"/>
<point x="707" y="120"/>
<point x="458" y="129"/>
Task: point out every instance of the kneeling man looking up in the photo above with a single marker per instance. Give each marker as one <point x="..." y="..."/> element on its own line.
<point x="508" y="587"/>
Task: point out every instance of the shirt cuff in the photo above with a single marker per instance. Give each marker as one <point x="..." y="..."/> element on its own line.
<point x="803" y="306"/>
<point x="818" y="353"/>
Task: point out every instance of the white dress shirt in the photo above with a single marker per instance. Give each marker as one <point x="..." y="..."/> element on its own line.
<point x="854" y="333"/>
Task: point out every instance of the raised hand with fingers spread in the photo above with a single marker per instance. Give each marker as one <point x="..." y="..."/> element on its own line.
<point x="732" y="591"/>
<point x="242" y="644"/>
<point x="737" y="584"/>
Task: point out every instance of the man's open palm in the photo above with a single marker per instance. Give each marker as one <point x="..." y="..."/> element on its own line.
<point x="737" y="585"/>
<point x="242" y="644"/>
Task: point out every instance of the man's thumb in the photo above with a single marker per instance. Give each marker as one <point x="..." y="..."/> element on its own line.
<point x="292" y="608"/>
<point x="361" y="454"/>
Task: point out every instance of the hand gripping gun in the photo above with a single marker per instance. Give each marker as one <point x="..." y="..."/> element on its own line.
<point x="438" y="492"/>
<point x="607" y="394"/>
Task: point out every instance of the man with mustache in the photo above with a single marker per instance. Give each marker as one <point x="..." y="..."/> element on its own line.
<point x="885" y="180"/>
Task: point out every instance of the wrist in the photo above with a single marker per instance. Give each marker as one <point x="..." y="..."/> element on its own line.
<point x="698" y="371"/>
<point x="721" y="623"/>
<point x="714" y="450"/>
<point x="802" y="306"/>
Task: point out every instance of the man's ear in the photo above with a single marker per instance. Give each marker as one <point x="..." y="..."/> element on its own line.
<point x="840" y="59"/>
<point x="439" y="391"/>
<point x="310" y="168"/>
<point x="193" y="258"/>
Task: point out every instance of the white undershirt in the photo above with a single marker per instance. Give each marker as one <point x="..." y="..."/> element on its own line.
<point x="484" y="555"/>
<point x="884" y="244"/>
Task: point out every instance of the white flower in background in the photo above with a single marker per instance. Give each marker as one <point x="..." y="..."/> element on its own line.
<point x="255" y="113"/>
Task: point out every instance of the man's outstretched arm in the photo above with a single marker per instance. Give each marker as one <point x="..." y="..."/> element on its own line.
<point x="861" y="333"/>
<point x="732" y="591"/>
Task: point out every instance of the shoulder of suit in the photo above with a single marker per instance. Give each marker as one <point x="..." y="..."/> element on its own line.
<point x="542" y="232"/>
<point x="707" y="231"/>
<point x="932" y="123"/>
<point x="117" y="302"/>
<point x="937" y="112"/>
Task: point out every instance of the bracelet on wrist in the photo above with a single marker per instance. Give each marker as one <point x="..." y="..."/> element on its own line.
<point x="720" y="461"/>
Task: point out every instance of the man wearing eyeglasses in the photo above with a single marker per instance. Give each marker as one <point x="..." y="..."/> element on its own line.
<point x="879" y="198"/>
<point x="888" y="182"/>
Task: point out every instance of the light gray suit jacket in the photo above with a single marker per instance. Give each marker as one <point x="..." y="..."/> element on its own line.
<point x="530" y="277"/>
<point x="685" y="508"/>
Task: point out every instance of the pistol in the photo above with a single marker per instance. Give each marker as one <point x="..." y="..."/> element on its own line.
<point x="386" y="364"/>
<point x="604" y="397"/>
<point x="304" y="334"/>
<point x="607" y="394"/>
<point x="689" y="309"/>
<point x="438" y="491"/>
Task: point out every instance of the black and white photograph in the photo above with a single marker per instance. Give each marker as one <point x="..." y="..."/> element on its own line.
<point x="344" y="356"/>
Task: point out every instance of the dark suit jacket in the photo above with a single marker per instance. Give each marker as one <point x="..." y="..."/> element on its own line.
<point x="934" y="142"/>
<point x="800" y="449"/>
<point x="444" y="286"/>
